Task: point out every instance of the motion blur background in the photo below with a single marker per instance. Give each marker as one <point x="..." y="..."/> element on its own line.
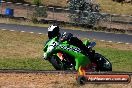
<point x="110" y="15"/>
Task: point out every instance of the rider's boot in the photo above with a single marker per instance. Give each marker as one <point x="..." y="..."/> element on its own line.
<point x="87" y="51"/>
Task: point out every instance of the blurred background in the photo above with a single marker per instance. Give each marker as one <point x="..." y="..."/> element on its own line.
<point x="111" y="14"/>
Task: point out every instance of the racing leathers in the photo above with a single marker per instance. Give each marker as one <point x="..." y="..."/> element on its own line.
<point x="76" y="42"/>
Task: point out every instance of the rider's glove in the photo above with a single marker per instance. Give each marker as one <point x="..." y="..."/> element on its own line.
<point x="66" y="36"/>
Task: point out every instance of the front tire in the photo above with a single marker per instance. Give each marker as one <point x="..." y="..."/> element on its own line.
<point x="62" y="65"/>
<point x="56" y="63"/>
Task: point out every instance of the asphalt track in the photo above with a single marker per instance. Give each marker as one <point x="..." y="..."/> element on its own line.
<point x="102" y="36"/>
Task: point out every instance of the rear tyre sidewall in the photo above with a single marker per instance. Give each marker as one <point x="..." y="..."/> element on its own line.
<point x="100" y="63"/>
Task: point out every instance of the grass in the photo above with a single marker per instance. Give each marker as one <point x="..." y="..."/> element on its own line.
<point x="108" y="6"/>
<point x="19" y="22"/>
<point x="121" y="59"/>
<point x="24" y="51"/>
<point x="25" y="64"/>
<point x="61" y="3"/>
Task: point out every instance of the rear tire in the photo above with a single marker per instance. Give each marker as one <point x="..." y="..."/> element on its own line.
<point x="103" y="64"/>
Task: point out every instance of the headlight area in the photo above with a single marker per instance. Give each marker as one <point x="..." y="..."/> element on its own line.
<point x="45" y="56"/>
<point x="50" y="48"/>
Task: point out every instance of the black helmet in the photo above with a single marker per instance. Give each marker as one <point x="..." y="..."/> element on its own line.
<point x="53" y="31"/>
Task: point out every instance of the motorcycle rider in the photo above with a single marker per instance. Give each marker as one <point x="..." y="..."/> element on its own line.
<point x="54" y="31"/>
<point x="81" y="63"/>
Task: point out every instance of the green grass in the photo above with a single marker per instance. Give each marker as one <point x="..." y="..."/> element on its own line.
<point x="61" y="3"/>
<point x="121" y="59"/>
<point x="24" y="51"/>
<point x="25" y="64"/>
<point x="108" y="6"/>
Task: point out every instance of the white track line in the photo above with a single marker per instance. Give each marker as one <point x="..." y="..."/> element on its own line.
<point x="12" y="30"/>
<point x="102" y="40"/>
<point x="109" y="41"/>
<point x="31" y="32"/>
<point x="22" y="31"/>
<point x="40" y="33"/>
<point x="47" y="34"/>
<point x="127" y="43"/>
<point x="3" y="29"/>
<point x="119" y="42"/>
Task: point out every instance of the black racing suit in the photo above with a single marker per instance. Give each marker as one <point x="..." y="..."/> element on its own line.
<point x="76" y="42"/>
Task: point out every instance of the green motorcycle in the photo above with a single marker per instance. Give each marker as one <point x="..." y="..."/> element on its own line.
<point x="64" y="56"/>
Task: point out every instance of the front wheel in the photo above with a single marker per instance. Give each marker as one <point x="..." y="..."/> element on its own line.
<point x="61" y="65"/>
<point x="56" y="63"/>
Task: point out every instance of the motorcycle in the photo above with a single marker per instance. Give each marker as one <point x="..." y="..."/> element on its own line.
<point x="63" y="56"/>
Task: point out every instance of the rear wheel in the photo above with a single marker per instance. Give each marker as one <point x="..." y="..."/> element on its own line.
<point x="103" y="64"/>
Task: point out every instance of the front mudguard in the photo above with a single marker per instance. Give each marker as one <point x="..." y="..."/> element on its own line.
<point x="59" y="64"/>
<point x="56" y="63"/>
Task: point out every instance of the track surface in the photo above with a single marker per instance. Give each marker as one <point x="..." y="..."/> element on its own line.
<point x="111" y="37"/>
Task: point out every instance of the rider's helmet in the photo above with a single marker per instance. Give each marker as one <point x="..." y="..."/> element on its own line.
<point x="53" y="31"/>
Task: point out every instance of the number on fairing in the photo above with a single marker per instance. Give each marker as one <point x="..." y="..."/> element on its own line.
<point x="54" y="44"/>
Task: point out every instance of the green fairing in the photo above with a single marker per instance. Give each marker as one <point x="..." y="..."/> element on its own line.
<point x="80" y="59"/>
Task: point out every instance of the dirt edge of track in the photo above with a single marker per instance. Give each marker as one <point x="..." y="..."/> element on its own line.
<point x="48" y="80"/>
